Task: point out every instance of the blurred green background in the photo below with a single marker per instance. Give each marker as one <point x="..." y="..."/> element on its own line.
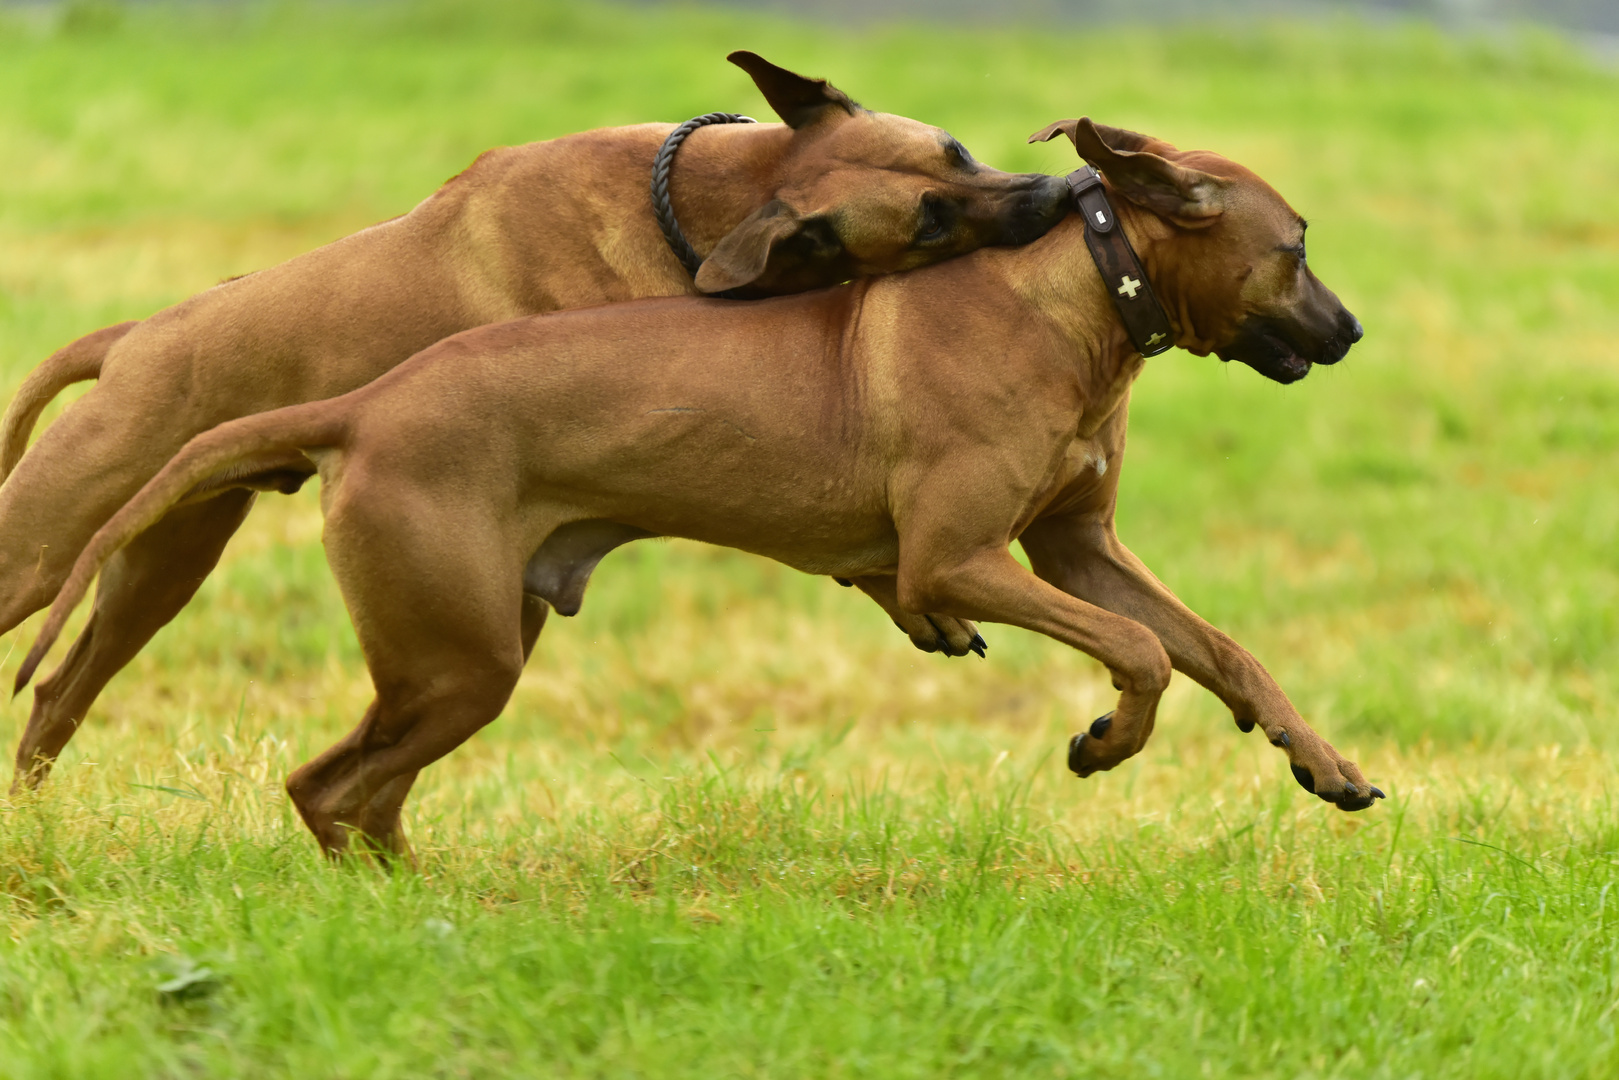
<point x="732" y="824"/>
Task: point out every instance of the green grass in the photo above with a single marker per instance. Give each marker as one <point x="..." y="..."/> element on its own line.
<point x="732" y="825"/>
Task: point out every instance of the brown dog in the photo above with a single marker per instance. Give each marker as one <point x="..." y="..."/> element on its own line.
<point x="834" y="193"/>
<point x="906" y="428"/>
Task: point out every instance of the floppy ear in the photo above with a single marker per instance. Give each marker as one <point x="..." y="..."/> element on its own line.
<point x="775" y="249"/>
<point x="1116" y="138"/>
<point x="797" y="100"/>
<point x="1187" y="197"/>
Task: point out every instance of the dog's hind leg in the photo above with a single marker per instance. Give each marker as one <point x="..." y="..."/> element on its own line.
<point x="535" y="612"/>
<point x="359" y="785"/>
<point x="437" y="603"/>
<point x="139" y="591"/>
<point x="85" y="466"/>
<point x="380" y="818"/>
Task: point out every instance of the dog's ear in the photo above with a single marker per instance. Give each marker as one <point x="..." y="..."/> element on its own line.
<point x="775" y="249"/>
<point x="797" y="100"/>
<point x="1187" y="197"/>
<point x="1116" y="138"/>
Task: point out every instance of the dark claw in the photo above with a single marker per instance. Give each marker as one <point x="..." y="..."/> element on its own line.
<point x="1353" y="800"/>
<point x="845" y="582"/>
<point x="1245" y="726"/>
<point x="1116" y="685"/>
<point x="1377" y="794"/>
<point x="1073" y="753"/>
<point x="1282" y="740"/>
<point x="979" y="646"/>
<point x="1100" y="725"/>
<point x="1304" y="777"/>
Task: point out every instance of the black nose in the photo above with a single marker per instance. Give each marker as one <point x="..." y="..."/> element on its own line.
<point x="1348" y="332"/>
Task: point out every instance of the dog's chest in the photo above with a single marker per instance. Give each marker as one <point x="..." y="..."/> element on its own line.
<point x="1087" y="466"/>
<point x="1107" y="398"/>
<point x="1086" y="473"/>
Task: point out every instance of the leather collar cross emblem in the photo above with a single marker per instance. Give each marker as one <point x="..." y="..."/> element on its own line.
<point x="1144" y="318"/>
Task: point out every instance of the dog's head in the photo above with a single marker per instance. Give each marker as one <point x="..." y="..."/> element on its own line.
<point x="1231" y="267"/>
<point x="862" y="193"/>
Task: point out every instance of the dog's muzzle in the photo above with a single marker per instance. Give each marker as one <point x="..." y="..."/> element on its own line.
<point x="1274" y="349"/>
<point x="1033" y="210"/>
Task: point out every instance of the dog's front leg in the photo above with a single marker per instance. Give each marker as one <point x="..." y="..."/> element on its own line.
<point x="1084" y="557"/>
<point x="928" y="632"/>
<point x="989" y="585"/>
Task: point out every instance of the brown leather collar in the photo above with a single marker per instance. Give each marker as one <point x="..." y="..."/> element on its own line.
<point x="1144" y="317"/>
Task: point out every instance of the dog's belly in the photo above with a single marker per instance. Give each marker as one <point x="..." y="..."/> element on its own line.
<point x="836" y="544"/>
<point x="559" y="571"/>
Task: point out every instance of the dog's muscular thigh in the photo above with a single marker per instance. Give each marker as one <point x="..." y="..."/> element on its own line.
<point x="83" y="468"/>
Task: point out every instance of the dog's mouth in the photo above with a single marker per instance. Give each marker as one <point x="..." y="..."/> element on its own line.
<point x="1284" y="351"/>
<point x="1269" y="353"/>
<point x="1031" y="211"/>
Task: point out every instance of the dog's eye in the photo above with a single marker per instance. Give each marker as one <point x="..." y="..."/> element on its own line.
<point x="932" y="227"/>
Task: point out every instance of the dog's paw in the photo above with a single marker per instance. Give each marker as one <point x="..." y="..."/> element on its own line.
<point x="1323" y="772"/>
<point x="943" y="634"/>
<point x="1085" y="752"/>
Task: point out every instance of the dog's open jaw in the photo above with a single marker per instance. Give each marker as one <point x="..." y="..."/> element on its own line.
<point x="1275" y="349"/>
<point x="1264" y="347"/>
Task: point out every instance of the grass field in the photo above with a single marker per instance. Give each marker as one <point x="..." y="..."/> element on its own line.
<point x="732" y="824"/>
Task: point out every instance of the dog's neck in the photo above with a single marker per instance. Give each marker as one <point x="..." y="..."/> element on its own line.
<point x="1154" y="240"/>
<point x="1057" y="277"/>
<point x="723" y="173"/>
<point x="1060" y="285"/>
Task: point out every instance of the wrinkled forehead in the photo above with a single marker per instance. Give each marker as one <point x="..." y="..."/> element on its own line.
<point x="883" y="140"/>
<point x="1247" y="191"/>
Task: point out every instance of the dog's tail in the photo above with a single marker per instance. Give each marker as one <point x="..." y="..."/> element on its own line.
<point x="66" y="366"/>
<point x="265" y="451"/>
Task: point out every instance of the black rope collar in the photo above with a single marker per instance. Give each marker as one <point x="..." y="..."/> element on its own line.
<point x="1144" y="317"/>
<point x="661" y="207"/>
